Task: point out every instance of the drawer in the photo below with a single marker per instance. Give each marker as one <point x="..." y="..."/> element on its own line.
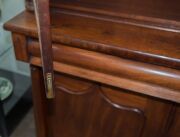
<point x="131" y="75"/>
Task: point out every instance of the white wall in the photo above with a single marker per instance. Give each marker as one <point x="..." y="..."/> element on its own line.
<point x="9" y="9"/>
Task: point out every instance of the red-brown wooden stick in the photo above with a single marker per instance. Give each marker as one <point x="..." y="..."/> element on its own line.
<point x="42" y="12"/>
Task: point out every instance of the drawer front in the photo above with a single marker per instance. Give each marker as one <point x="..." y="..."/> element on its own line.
<point x="83" y="108"/>
<point x="139" y="77"/>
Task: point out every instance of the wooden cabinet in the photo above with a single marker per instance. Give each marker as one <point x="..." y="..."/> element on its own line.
<point x="116" y="75"/>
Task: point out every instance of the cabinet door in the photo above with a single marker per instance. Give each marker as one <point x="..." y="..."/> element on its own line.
<point x="174" y="130"/>
<point x="85" y="109"/>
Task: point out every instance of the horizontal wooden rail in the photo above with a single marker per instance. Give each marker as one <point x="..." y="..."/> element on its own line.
<point x="138" y="87"/>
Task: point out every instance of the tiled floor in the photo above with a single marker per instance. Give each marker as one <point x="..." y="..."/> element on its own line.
<point x="26" y="128"/>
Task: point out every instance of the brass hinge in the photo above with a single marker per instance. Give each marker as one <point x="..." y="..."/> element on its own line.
<point x="50" y="92"/>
